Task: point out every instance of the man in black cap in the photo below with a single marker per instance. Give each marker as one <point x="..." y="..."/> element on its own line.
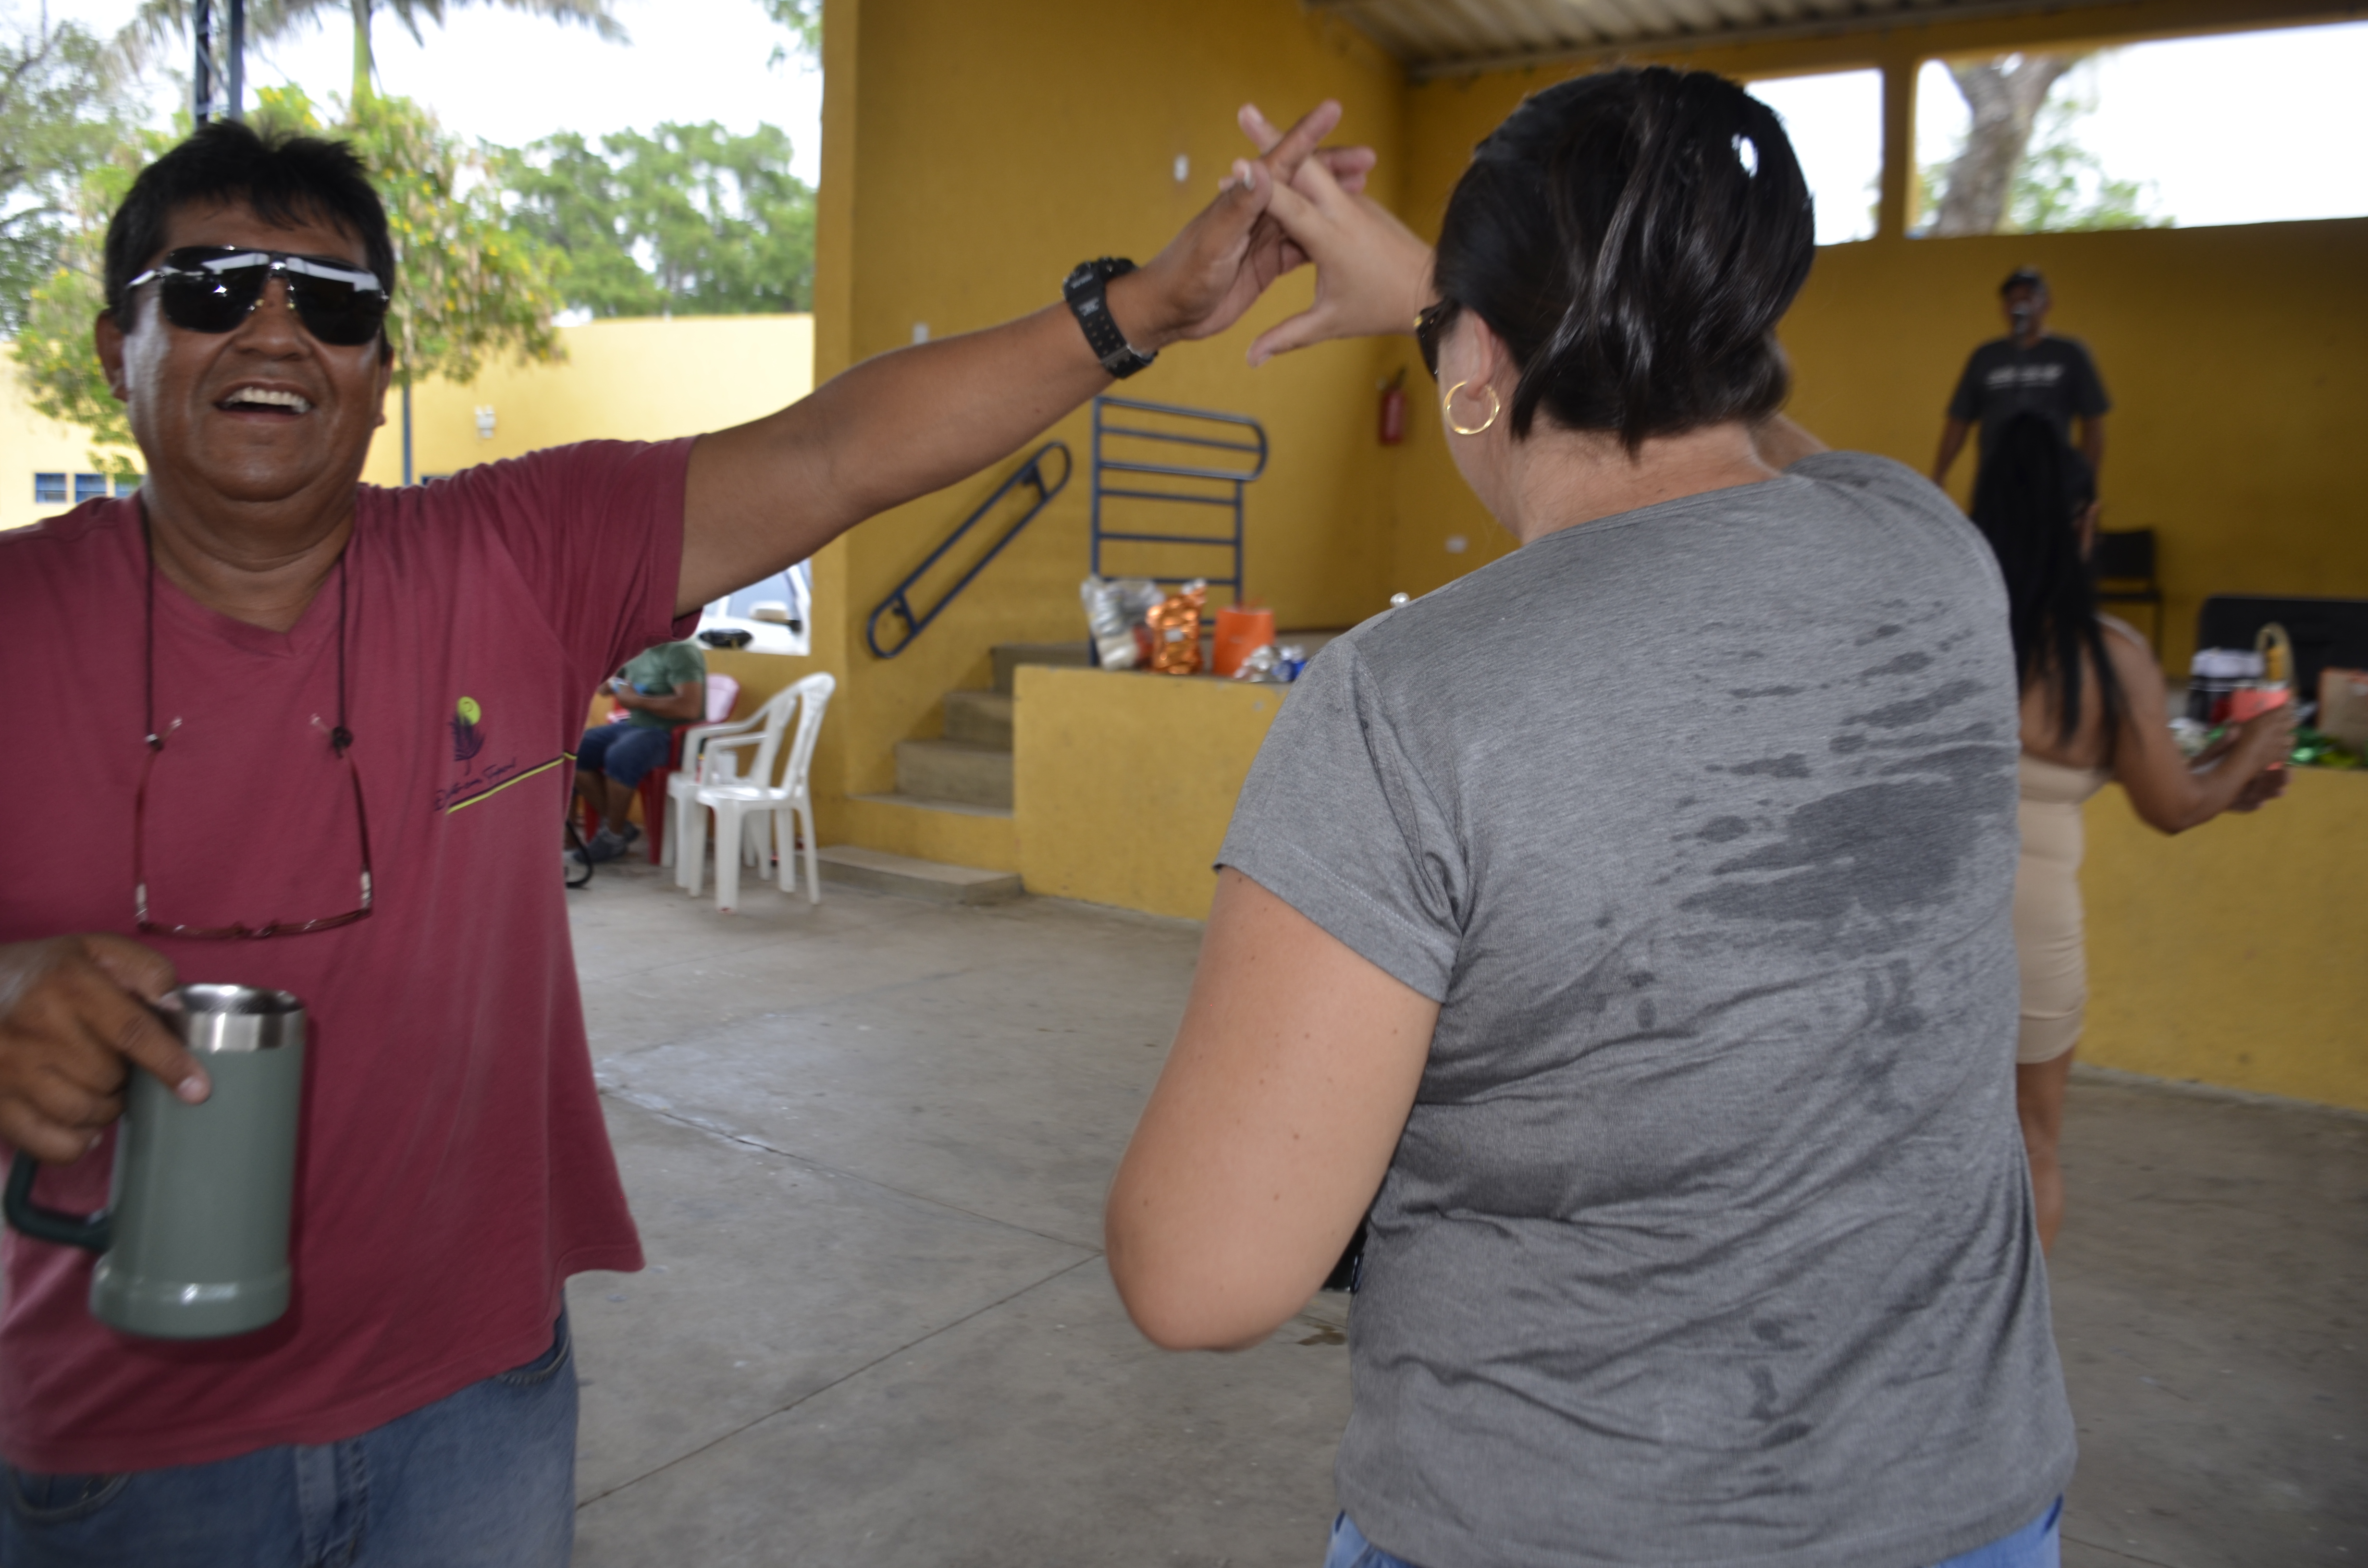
<point x="2027" y="369"/>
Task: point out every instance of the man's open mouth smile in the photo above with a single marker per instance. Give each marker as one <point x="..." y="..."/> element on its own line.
<point x="275" y="402"/>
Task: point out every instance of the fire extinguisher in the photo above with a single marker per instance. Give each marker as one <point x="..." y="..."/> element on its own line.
<point x="1393" y="409"/>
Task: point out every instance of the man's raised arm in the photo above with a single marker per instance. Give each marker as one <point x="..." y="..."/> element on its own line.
<point x="768" y="493"/>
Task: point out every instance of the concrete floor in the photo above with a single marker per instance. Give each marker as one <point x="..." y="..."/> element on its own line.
<point x="867" y="1142"/>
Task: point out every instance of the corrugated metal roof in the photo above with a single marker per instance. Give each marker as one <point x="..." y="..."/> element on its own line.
<point x="1447" y="37"/>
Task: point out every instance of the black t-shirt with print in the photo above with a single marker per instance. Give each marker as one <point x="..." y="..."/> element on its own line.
<point x="2054" y="377"/>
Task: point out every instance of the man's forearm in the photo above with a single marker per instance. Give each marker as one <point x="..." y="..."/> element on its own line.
<point x="2092" y="444"/>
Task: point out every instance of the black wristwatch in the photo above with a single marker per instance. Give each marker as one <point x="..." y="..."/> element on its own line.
<point x="1083" y="290"/>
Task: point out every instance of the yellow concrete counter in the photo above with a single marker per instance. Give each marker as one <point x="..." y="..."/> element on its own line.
<point x="2236" y="954"/>
<point x="1124" y="781"/>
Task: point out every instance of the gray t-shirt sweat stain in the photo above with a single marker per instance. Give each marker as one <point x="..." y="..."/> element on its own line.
<point x="1709" y="1239"/>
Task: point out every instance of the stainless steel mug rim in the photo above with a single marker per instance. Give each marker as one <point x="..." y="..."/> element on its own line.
<point x="233" y="1017"/>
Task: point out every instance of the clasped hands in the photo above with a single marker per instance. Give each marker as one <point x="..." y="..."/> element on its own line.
<point x="1295" y="202"/>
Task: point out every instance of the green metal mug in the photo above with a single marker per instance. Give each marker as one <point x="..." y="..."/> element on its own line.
<point x="193" y="1243"/>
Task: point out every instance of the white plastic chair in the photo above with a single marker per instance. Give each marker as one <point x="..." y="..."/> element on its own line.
<point x="722" y="696"/>
<point x="741" y="803"/>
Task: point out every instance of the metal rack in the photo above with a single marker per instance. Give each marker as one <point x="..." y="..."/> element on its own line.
<point x="1118" y="422"/>
<point x="1031" y="472"/>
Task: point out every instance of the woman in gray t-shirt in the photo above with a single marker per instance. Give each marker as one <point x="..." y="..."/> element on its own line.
<point x="1625" y="927"/>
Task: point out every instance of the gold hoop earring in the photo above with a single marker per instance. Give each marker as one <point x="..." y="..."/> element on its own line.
<point x="1447" y="409"/>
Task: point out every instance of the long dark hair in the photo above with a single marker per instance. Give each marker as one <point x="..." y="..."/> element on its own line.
<point x="1634" y="236"/>
<point x="2028" y="500"/>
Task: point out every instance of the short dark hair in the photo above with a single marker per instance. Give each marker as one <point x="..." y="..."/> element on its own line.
<point x="286" y="179"/>
<point x="2023" y="278"/>
<point x="1634" y="237"/>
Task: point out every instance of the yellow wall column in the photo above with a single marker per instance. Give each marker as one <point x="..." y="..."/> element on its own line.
<point x="971" y="155"/>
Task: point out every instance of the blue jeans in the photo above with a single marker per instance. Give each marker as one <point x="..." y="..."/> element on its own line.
<point x="2033" y="1546"/>
<point x="623" y="752"/>
<point x="484" y="1478"/>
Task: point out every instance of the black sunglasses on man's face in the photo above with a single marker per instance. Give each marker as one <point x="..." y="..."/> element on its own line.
<point x="212" y="289"/>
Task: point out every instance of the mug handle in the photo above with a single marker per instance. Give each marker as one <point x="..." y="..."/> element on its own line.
<point x="50" y="1224"/>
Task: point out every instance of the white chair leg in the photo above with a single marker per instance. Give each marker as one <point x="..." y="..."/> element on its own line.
<point x="814" y="877"/>
<point x="729" y="828"/>
<point x="690" y="859"/>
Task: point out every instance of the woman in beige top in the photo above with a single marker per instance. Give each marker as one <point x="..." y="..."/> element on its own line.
<point x="2093" y="711"/>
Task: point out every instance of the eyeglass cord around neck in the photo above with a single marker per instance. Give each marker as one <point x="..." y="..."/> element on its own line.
<point x="339" y="738"/>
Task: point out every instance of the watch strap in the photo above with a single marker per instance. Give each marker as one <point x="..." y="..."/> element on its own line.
<point x="1085" y="290"/>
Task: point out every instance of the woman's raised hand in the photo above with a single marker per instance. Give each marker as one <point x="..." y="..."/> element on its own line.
<point x="1222" y="261"/>
<point x="1372" y="273"/>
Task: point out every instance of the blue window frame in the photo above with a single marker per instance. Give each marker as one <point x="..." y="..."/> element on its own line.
<point x="125" y="484"/>
<point x="49" y="490"/>
<point x="89" y="487"/>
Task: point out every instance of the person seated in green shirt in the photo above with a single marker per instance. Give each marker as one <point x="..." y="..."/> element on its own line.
<point x="661" y="690"/>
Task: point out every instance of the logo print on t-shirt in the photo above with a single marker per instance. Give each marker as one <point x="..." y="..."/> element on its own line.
<point x="467" y="742"/>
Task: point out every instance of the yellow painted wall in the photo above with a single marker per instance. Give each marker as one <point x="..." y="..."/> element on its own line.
<point x="30" y="445"/>
<point x="2237" y="954"/>
<point x="2233" y="355"/>
<point x="638" y="379"/>
<point x="1126" y="781"/>
<point x="972" y="155"/>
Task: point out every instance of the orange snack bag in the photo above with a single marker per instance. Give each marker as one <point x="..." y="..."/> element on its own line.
<point x="1175" y="625"/>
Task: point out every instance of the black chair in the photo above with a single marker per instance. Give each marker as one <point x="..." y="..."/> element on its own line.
<point x="2123" y="564"/>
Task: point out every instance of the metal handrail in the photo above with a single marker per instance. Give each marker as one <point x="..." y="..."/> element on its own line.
<point x="1232" y="479"/>
<point x="1032" y="472"/>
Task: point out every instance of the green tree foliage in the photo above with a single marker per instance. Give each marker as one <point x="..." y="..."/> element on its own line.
<point x="64" y="111"/>
<point x="468" y="289"/>
<point x="2062" y="186"/>
<point x="687" y="221"/>
<point x="804" y="20"/>
<point x="159" y="22"/>
<point x="2023" y="169"/>
<point x="57" y="361"/>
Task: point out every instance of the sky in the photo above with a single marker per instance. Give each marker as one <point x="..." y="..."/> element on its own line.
<point x="512" y="78"/>
<point x="2236" y="129"/>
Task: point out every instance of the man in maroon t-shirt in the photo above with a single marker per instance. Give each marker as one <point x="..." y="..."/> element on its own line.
<point x="344" y="714"/>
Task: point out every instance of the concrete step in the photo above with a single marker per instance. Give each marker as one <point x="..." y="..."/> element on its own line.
<point x="924" y="803"/>
<point x="954" y="770"/>
<point x="982" y="718"/>
<point x="1010" y="656"/>
<point x="876" y="871"/>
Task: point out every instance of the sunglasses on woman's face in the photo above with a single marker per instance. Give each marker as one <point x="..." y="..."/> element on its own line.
<point x="212" y="288"/>
<point x="1428" y="323"/>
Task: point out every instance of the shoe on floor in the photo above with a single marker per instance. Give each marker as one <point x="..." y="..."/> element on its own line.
<point x="632" y="834"/>
<point x="604" y="845"/>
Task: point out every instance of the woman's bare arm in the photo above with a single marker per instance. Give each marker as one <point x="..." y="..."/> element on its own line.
<point x="1269" y="1131"/>
<point x="2164" y="789"/>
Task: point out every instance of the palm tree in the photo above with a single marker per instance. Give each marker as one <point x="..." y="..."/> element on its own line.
<point x="158" y="21"/>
